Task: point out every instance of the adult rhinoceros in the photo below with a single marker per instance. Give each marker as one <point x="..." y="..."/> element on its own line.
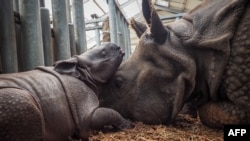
<point x="203" y="57"/>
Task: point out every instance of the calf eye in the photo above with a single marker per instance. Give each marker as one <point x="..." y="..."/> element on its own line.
<point x="103" y="54"/>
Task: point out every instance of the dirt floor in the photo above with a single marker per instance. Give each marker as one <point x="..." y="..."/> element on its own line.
<point x="185" y="129"/>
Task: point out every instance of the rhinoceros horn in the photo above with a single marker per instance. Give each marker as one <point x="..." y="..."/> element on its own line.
<point x="157" y="29"/>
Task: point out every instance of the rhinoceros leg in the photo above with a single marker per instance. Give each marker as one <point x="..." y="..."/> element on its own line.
<point x="217" y="114"/>
<point x="189" y="109"/>
<point x="20" y="118"/>
<point x="105" y="116"/>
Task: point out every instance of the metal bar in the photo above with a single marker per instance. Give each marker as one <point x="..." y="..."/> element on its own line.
<point x="8" y="51"/>
<point x="123" y="5"/>
<point x="94" y="21"/>
<point x="79" y="26"/>
<point x="168" y="9"/>
<point x="42" y="3"/>
<point x="172" y="16"/>
<point x="128" y="40"/>
<point x="31" y="34"/>
<point x="126" y="46"/>
<point x="19" y="45"/>
<point x="97" y="36"/>
<point x="17" y="18"/>
<point x="97" y="33"/>
<point x="72" y="39"/>
<point x="16" y="5"/>
<point x="61" y="32"/>
<point x="68" y="11"/>
<point x="119" y="29"/>
<point x="93" y="28"/>
<point x="46" y="34"/>
<point x="112" y="21"/>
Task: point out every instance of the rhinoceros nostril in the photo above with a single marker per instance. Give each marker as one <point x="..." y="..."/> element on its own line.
<point x="117" y="48"/>
<point x="122" y="52"/>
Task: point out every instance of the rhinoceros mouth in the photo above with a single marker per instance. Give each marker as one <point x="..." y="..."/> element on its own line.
<point x="107" y="67"/>
<point x="116" y="60"/>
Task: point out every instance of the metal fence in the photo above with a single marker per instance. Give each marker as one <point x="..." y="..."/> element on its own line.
<point x="27" y="39"/>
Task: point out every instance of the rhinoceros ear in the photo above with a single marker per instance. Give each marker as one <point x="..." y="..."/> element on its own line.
<point x="157" y="29"/>
<point x="138" y="27"/>
<point x="146" y="10"/>
<point x="66" y="66"/>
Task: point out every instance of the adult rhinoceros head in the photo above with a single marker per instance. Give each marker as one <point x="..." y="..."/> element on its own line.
<point x="172" y="61"/>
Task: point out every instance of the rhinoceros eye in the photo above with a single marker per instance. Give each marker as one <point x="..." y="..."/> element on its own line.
<point x="118" y="82"/>
<point x="148" y="36"/>
<point x="104" y="54"/>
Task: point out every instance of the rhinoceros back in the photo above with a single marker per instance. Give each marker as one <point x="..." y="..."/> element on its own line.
<point x="236" y="80"/>
<point x="18" y="111"/>
<point x="48" y="95"/>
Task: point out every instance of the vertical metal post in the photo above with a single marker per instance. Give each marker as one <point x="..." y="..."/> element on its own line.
<point x="42" y="3"/>
<point x="46" y="36"/>
<point x="32" y="53"/>
<point x="125" y="40"/>
<point x="16" y="5"/>
<point x="62" y="48"/>
<point x="72" y="39"/>
<point x="79" y="25"/>
<point x="68" y="11"/>
<point x="31" y="34"/>
<point x="19" y="46"/>
<point x="128" y="41"/>
<point x="8" y="37"/>
<point x="112" y="20"/>
<point x="125" y="37"/>
<point x="97" y="33"/>
<point x="118" y="32"/>
<point x="121" y="31"/>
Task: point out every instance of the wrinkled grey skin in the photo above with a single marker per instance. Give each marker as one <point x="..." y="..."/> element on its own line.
<point x="43" y="104"/>
<point x="203" y="58"/>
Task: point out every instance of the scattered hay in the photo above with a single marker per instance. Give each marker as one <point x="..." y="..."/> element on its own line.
<point x="185" y="129"/>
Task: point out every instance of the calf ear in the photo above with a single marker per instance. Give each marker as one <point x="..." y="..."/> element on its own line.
<point x="157" y="29"/>
<point x="66" y="66"/>
<point x="138" y="27"/>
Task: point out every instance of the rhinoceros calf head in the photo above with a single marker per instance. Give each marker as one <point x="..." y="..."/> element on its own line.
<point x="172" y="61"/>
<point x="95" y="66"/>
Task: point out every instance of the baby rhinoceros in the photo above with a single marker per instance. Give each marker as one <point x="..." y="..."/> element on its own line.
<point x="55" y="103"/>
